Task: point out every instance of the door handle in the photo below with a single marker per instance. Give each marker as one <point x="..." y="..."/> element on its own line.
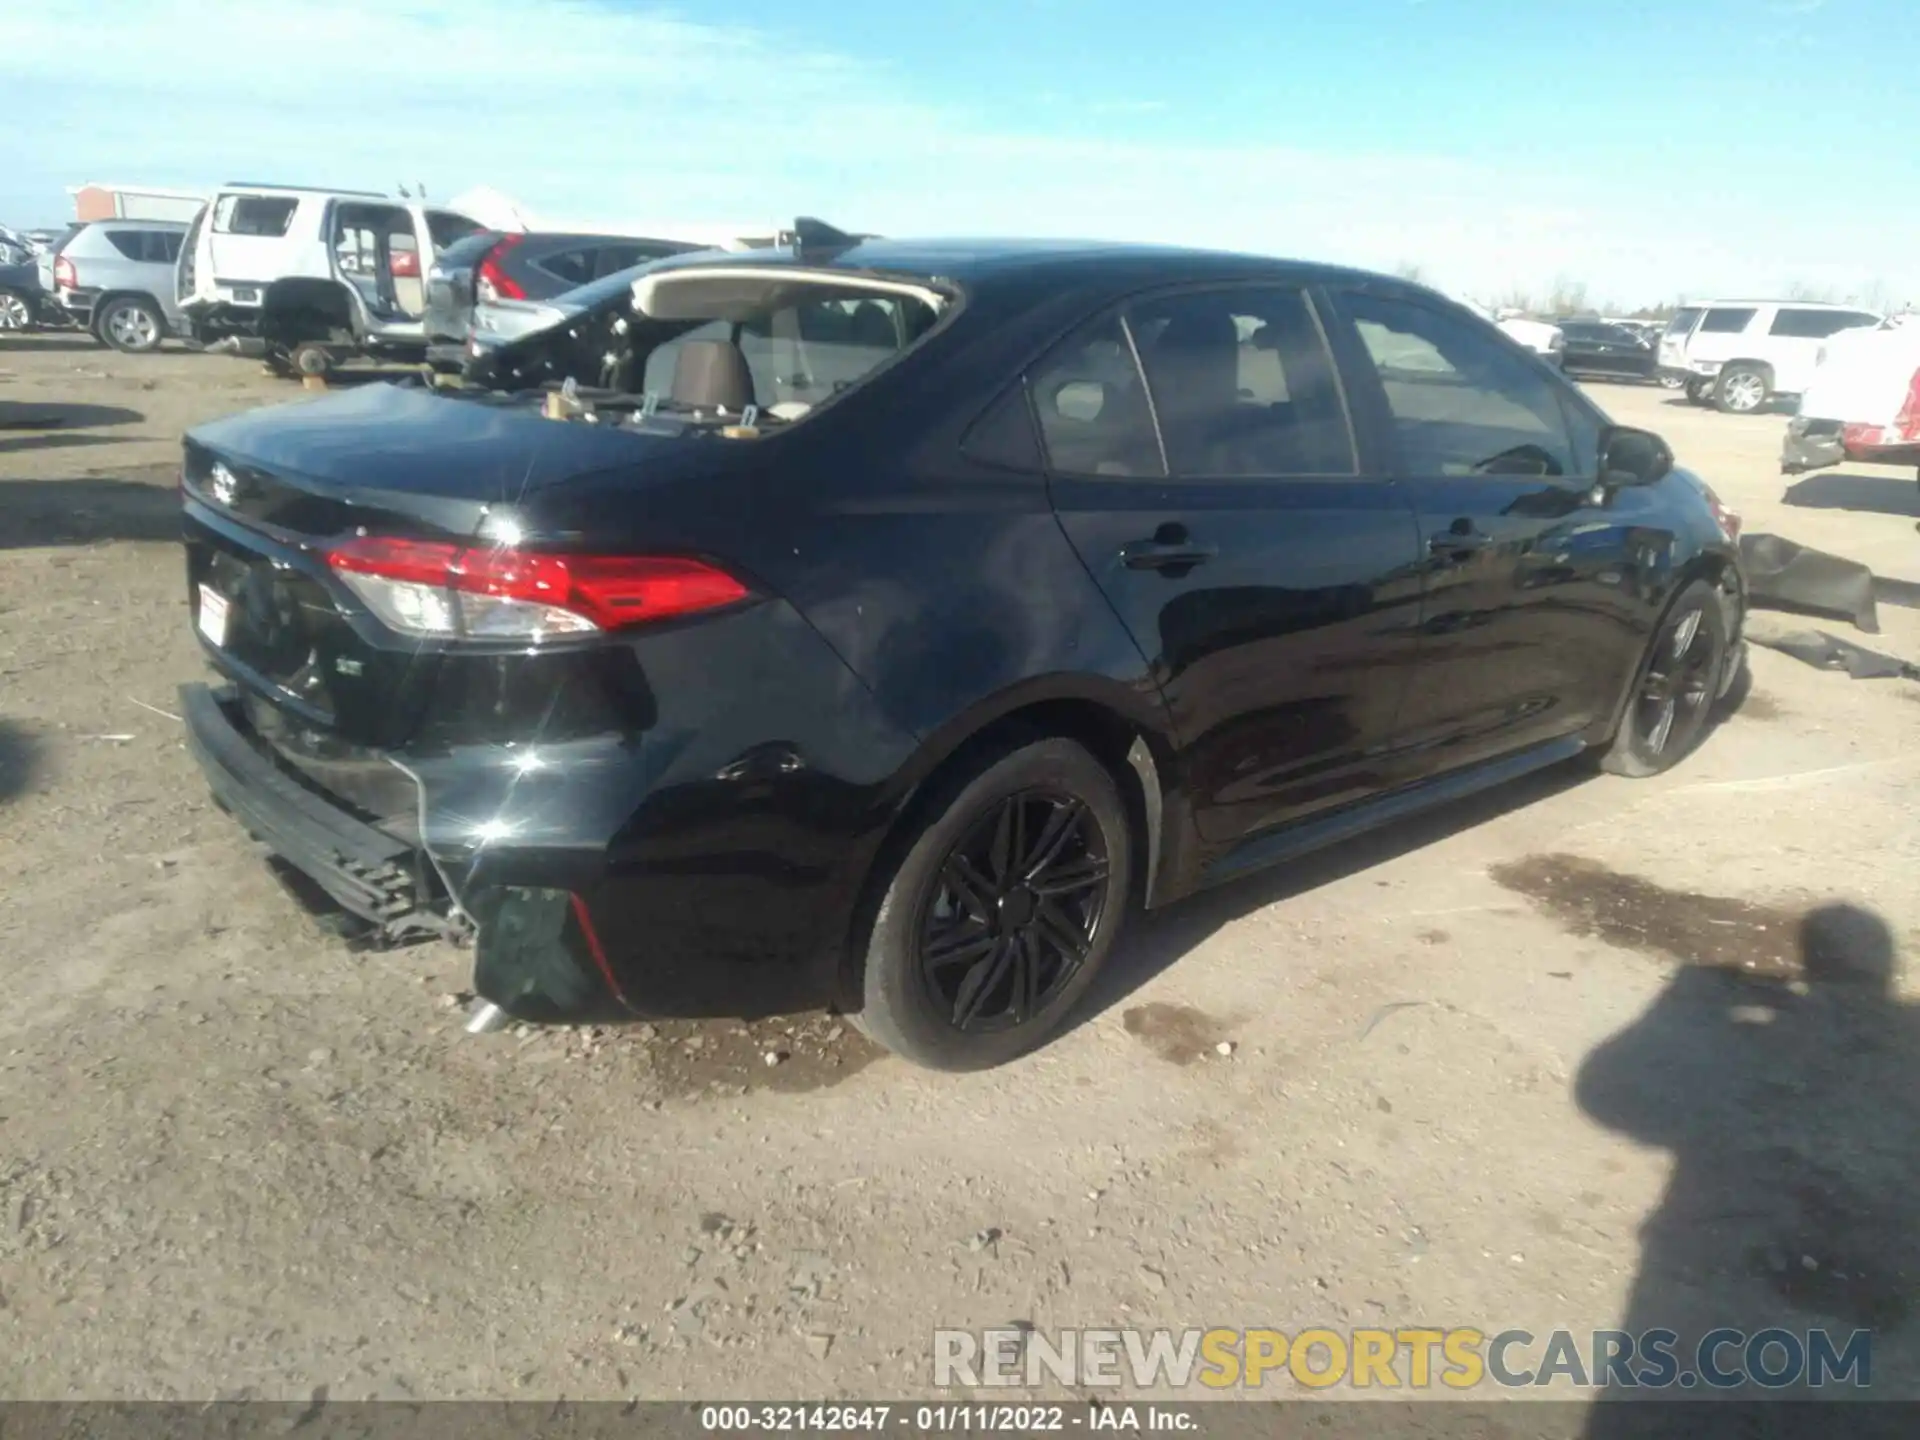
<point x="1165" y="554"/>
<point x="1462" y="541"/>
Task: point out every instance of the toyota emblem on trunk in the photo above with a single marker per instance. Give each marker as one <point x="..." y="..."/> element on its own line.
<point x="224" y="484"/>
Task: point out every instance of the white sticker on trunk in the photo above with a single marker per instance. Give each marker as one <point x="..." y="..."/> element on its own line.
<point x="213" y="616"/>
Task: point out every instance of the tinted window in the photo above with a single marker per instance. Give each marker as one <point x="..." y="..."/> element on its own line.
<point x="1815" y="324"/>
<point x="1461" y="403"/>
<point x="253" y="215"/>
<point x="1683" y="321"/>
<point x="150" y="247"/>
<point x="1726" y="321"/>
<point x="1004" y="436"/>
<point x="571" y="267"/>
<point x="1243" y="384"/>
<point x="1092" y="406"/>
<point x="445" y="227"/>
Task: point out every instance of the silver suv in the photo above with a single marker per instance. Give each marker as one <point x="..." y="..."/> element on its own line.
<point x="116" y="278"/>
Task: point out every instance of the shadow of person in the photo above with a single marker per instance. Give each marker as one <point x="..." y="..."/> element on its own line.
<point x="1789" y="1105"/>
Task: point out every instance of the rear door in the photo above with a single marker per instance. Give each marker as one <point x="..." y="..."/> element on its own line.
<point x="1673" y="339"/>
<point x="1530" y="612"/>
<point x="1203" y="463"/>
<point x="1722" y="335"/>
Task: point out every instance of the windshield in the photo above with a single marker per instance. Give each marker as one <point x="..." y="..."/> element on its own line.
<point x="782" y="354"/>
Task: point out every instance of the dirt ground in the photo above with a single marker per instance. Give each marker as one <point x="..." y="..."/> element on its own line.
<point x="1569" y="1056"/>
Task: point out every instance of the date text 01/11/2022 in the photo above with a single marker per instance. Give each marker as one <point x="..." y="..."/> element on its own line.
<point x="942" y="1419"/>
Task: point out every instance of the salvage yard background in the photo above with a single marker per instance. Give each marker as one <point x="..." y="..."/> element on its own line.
<point x="1490" y="1069"/>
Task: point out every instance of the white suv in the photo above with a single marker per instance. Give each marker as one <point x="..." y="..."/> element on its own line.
<point x="1740" y="354"/>
<point x="307" y="277"/>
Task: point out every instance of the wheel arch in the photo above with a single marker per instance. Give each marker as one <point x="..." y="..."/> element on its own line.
<point x="107" y="297"/>
<point x="298" y="308"/>
<point x="1751" y="362"/>
<point x="1126" y="735"/>
<point x="1711" y="565"/>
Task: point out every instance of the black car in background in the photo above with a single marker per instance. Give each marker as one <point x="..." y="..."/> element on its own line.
<point x="1607" y="352"/>
<point x="489" y="267"/>
<point x="874" y="625"/>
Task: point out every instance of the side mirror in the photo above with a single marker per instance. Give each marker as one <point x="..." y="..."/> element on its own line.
<point x="1633" y="457"/>
<point x="1081" y="400"/>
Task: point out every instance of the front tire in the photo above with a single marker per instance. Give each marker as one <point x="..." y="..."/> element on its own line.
<point x="16" y="312"/>
<point x="1002" y="911"/>
<point x="1674" y="688"/>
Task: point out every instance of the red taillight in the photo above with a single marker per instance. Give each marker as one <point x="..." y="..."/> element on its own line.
<point x="493" y="283"/>
<point x="1727" y="520"/>
<point x="431" y="587"/>
<point x="64" y="274"/>
<point x="1907" y="422"/>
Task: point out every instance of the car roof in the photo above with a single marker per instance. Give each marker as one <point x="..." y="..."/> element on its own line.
<point x="974" y="263"/>
<point x="180" y="225"/>
<point x="1796" y="304"/>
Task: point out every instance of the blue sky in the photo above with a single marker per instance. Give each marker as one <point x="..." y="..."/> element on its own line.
<point x="1644" y="149"/>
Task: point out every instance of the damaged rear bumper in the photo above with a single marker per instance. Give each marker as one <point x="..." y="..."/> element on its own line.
<point x="372" y="875"/>
<point x="1811" y="445"/>
<point x="536" y="955"/>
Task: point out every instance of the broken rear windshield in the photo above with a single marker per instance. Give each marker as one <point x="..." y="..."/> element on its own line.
<point x="800" y="347"/>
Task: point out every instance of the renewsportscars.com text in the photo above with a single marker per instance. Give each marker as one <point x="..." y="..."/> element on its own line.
<point x="1410" y="1358"/>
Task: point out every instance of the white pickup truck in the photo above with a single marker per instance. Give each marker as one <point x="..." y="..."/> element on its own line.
<point x="1862" y="402"/>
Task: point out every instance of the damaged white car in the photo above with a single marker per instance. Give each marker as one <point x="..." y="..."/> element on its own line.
<point x="1862" y="402"/>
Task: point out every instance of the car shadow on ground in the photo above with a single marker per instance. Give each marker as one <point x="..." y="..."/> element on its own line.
<point x="139" y="505"/>
<point x="48" y="340"/>
<point x="1772" y="407"/>
<point x="1782" y="1076"/>
<point x="19" y="760"/>
<point x="34" y="427"/>
<point x="1156" y="940"/>
<point x="1841" y="490"/>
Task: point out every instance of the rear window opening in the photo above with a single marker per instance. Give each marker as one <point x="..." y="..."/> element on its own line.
<point x="260" y="215"/>
<point x="1683" y="321"/>
<point x="734" y="352"/>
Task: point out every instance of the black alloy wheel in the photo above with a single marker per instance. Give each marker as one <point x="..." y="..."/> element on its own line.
<point x="1004" y="906"/>
<point x="1675" y="688"/>
<point x="1015" y="910"/>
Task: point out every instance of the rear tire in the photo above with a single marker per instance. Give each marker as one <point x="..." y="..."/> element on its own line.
<point x="1675" y="687"/>
<point x="1002" y="911"/>
<point x="1697" y="389"/>
<point x="131" y="325"/>
<point x="309" y="359"/>
<point x="16" y="312"/>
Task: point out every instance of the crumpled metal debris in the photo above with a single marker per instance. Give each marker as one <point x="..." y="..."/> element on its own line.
<point x="1829" y="652"/>
<point x="1784" y="576"/>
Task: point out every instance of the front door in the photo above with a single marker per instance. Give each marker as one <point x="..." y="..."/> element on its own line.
<point x="1268" y="577"/>
<point x="1534" y="578"/>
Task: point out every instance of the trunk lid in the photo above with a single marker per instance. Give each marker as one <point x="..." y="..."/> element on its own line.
<point x="270" y="491"/>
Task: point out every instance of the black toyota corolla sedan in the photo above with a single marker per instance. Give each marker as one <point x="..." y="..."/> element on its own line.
<point x="873" y="624"/>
